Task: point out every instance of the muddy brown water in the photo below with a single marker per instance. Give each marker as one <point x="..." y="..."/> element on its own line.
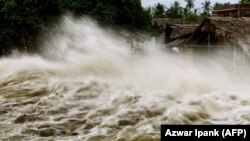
<point x="88" y="86"/>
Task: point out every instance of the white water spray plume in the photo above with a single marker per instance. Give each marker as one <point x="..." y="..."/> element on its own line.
<point x="88" y="84"/>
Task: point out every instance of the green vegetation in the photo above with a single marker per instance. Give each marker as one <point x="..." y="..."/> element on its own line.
<point x="175" y="11"/>
<point x="159" y="10"/>
<point x="190" y="4"/>
<point x="244" y="1"/>
<point x="188" y="13"/>
<point x="21" y="21"/>
<point x="206" y="6"/>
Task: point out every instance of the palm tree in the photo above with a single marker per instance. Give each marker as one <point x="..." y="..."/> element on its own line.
<point x="206" y="6"/>
<point x="190" y="4"/>
<point x="217" y="4"/>
<point x="176" y="4"/>
<point x="175" y="11"/>
<point x="159" y="10"/>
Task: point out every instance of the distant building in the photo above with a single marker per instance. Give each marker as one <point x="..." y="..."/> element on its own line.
<point x="232" y="10"/>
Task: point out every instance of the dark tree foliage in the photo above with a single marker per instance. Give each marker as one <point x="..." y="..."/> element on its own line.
<point x="244" y="1"/>
<point x="175" y="11"/>
<point x="22" y="20"/>
<point x="159" y="10"/>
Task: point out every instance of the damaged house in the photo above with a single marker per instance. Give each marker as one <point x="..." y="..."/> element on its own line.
<point x="215" y="33"/>
<point x="175" y="34"/>
<point x="220" y="31"/>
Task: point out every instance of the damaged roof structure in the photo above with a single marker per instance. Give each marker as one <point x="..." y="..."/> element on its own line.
<point x="215" y="35"/>
<point x="163" y="22"/>
<point x="216" y="31"/>
<point x="221" y="31"/>
<point x="174" y="34"/>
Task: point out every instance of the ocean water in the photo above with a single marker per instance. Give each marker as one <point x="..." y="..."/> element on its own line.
<point x="87" y="84"/>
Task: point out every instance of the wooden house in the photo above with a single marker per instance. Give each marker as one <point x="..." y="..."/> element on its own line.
<point x="232" y="10"/>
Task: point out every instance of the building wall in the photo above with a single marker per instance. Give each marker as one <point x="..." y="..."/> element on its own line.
<point x="234" y="10"/>
<point x="225" y="7"/>
<point x="244" y="10"/>
<point x="232" y="13"/>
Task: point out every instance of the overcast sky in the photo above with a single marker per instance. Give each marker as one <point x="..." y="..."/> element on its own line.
<point x="146" y="3"/>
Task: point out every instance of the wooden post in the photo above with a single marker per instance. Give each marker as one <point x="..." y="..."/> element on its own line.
<point x="209" y="38"/>
<point x="238" y="10"/>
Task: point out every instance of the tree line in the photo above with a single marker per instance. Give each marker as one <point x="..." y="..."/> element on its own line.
<point x="188" y="13"/>
<point x="21" y="21"/>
